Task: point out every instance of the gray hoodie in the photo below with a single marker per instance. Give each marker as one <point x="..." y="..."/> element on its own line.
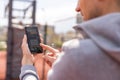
<point x="95" y="58"/>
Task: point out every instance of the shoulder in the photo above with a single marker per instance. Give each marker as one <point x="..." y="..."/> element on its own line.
<point x="76" y="56"/>
<point x="79" y="59"/>
<point x="79" y="46"/>
<point x="71" y="44"/>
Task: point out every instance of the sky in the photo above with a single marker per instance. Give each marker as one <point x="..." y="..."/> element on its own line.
<point x="60" y="13"/>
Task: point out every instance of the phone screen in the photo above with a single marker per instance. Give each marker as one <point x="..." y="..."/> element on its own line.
<point x="33" y="39"/>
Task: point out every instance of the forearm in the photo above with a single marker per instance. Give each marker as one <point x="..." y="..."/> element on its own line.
<point x="28" y="72"/>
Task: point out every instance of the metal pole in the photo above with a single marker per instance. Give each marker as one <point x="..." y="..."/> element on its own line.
<point x="45" y="34"/>
<point x="34" y="13"/>
<point x="25" y="0"/>
<point x="9" y="44"/>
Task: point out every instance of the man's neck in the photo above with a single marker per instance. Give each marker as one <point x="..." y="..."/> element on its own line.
<point x="111" y="9"/>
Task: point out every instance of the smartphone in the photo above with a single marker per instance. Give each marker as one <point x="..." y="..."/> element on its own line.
<point x="33" y="39"/>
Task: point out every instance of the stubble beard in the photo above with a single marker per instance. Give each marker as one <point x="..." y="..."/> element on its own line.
<point x="95" y="14"/>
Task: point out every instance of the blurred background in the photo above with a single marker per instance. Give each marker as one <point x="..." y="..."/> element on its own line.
<point x="55" y="20"/>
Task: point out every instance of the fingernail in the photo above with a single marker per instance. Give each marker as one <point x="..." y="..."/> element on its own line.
<point x="41" y="44"/>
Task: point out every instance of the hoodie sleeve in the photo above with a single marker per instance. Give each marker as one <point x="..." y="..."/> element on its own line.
<point x="28" y="72"/>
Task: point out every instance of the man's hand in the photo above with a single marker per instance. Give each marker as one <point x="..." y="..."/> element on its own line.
<point x="52" y="56"/>
<point x="28" y="58"/>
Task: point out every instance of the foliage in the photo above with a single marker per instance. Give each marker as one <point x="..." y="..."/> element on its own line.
<point x="2" y="46"/>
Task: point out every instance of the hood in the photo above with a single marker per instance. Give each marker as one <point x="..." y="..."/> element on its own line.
<point x="105" y="33"/>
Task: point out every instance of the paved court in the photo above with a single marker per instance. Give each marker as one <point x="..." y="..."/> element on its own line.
<point x="2" y="65"/>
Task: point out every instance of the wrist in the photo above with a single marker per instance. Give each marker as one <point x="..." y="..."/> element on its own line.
<point x="27" y="61"/>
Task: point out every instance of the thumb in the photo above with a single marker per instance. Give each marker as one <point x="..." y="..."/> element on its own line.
<point x="49" y="48"/>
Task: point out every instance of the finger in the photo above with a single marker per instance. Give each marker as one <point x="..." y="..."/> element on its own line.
<point x="49" y="48"/>
<point x="24" y="39"/>
<point x="49" y="58"/>
<point x="41" y="35"/>
<point x="50" y="54"/>
<point x="41" y="38"/>
<point x="48" y="62"/>
<point x="24" y="46"/>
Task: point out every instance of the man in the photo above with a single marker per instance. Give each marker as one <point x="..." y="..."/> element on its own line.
<point x="95" y="58"/>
